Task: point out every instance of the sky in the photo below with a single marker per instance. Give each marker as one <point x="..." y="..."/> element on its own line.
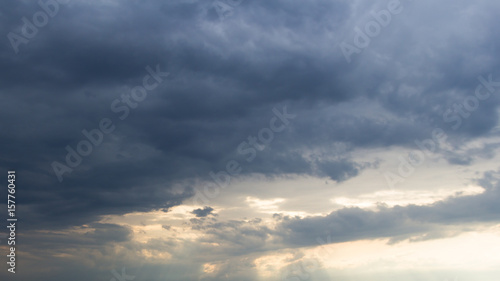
<point x="251" y="140"/>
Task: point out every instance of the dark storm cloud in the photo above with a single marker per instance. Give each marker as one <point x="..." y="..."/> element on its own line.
<point x="342" y="170"/>
<point x="200" y="213"/>
<point x="226" y="77"/>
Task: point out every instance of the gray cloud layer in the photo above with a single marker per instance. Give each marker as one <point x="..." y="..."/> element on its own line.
<point x="225" y="79"/>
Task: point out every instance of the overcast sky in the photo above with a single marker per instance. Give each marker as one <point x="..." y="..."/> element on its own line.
<point x="252" y="140"/>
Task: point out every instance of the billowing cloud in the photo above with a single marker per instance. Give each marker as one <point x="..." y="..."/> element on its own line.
<point x="114" y="108"/>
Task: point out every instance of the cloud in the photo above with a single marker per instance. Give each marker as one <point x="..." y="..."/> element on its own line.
<point x="437" y="220"/>
<point x="226" y="78"/>
<point x="201" y="213"/>
<point x="342" y="170"/>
